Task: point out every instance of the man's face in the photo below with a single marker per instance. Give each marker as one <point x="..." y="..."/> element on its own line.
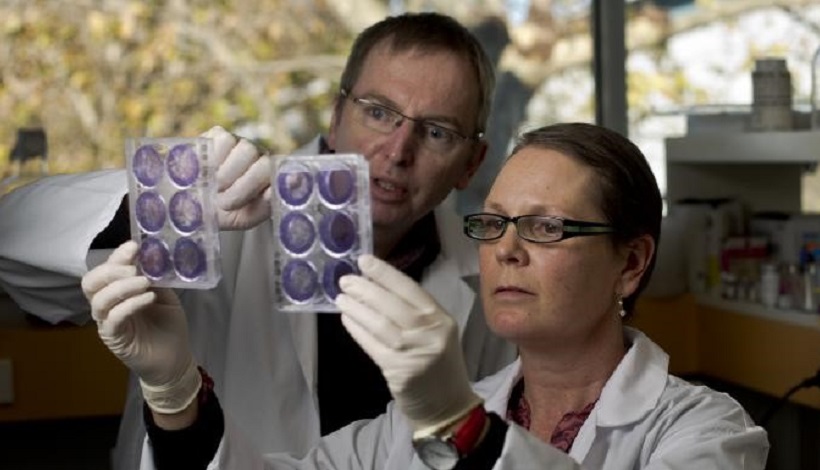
<point x="408" y="179"/>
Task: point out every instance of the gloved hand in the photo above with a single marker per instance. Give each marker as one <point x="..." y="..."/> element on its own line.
<point x="414" y="342"/>
<point x="243" y="181"/>
<point x="145" y="328"/>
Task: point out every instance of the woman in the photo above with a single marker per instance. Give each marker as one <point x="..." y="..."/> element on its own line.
<point x="568" y="237"/>
<point x="567" y="242"/>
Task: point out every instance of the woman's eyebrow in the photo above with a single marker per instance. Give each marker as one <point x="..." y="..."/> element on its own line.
<point x="532" y="209"/>
<point x="492" y="206"/>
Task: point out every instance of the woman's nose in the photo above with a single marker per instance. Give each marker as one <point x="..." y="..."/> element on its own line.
<point x="510" y="247"/>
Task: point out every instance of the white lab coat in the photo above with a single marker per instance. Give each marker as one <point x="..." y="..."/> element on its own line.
<point x="263" y="362"/>
<point x="645" y="418"/>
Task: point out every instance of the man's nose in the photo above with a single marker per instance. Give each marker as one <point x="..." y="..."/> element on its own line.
<point x="402" y="144"/>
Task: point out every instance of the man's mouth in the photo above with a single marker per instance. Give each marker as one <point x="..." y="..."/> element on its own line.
<point x="387" y="191"/>
<point x="386" y="185"/>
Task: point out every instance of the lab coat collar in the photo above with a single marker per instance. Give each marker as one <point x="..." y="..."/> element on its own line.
<point x="497" y="388"/>
<point x="454" y="244"/>
<point x="630" y="393"/>
<point x="636" y="384"/>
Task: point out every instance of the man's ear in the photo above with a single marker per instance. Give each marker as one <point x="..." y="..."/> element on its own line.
<point x="334" y="123"/>
<point x="473" y="163"/>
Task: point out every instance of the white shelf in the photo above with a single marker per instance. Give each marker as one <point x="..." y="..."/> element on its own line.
<point x="795" y="317"/>
<point x="785" y="147"/>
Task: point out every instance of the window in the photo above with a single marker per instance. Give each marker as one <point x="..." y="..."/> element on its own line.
<point x="94" y="73"/>
<point x="690" y="65"/>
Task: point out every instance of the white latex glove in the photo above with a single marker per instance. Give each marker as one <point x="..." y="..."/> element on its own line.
<point x="414" y="342"/>
<point x="242" y="179"/>
<point x="145" y="328"/>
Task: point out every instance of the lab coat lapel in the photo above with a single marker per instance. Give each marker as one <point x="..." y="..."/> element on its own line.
<point x="456" y="298"/>
<point x="303" y="325"/>
<point x="446" y="278"/>
<point x="631" y="392"/>
<point x="303" y="330"/>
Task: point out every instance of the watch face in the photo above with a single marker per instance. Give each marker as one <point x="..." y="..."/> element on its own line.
<point x="437" y="453"/>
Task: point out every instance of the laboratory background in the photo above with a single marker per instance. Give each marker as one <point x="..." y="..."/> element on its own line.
<point x="721" y="95"/>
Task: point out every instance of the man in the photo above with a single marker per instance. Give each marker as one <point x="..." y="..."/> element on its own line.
<point x="414" y="99"/>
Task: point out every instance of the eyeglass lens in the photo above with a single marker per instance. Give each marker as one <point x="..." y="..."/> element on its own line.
<point x="385" y="120"/>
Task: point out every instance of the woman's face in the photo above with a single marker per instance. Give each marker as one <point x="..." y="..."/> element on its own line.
<point x="545" y="293"/>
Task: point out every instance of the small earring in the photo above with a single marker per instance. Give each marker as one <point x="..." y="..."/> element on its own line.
<point x="621" y="310"/>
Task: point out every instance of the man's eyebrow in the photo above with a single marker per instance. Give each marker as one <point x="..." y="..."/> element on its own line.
<point x="433" y="119"/>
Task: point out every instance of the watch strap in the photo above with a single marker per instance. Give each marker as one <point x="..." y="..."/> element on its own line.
<point x="488" y="451"/>
<point x="467" y="435"/>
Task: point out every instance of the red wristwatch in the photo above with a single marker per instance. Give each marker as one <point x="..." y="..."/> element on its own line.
<point x="443" y="452"/>
<point x="466" y="436"/>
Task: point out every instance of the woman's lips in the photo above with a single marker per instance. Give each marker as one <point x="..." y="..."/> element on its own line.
<point x="511" y="292"/>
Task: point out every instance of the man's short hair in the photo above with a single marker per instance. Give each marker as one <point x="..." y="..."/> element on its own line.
<point x="426" y="32"/>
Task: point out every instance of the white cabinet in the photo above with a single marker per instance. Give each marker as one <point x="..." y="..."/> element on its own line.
<point x="763" y="169"/>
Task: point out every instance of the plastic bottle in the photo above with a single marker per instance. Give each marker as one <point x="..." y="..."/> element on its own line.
<point x="769" y="285"/>
<point x="809" y="299"/>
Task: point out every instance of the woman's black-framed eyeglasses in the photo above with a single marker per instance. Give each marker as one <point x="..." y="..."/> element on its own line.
<point x="485" y="226"/>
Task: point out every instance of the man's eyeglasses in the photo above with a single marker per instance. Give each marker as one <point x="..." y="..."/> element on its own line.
<point x="384" y="120"/>
<point x="533" y="228"/>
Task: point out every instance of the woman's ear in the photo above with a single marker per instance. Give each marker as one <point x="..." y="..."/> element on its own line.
<point x="639" y="253"/>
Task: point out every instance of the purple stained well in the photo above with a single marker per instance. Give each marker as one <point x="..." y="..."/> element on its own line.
<point x="333" y="271"/>
<point x="186" y="211"/>
<point x="337" y="232"/>
<point x="190" y="262"/>
<point x="149" y="211"/>
<point x="153" y="258"/>
<point x="299" y="280"/>
<point x="183" y="165"/>
<point x="294" y="184"/>
<point x="336" y="185"/>
<point x="297" y="232"/>
<point x="147" y="166"/>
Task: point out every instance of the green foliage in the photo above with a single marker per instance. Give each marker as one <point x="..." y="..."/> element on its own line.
<point x="94" y="73"/>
